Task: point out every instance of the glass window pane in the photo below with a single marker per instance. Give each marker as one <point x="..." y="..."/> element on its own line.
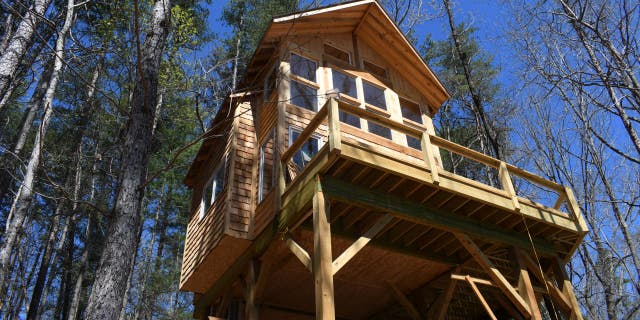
<point x="306" y="152"/>
<point x="349" y="119"/>
<point x="379" y="130"/>
<point x="337" y="53"/>
<point x="375" y="69"/>
<point x="206" y="199"/>
<point x="410" y="110"/>
<point x="414" y="143"/>
<point x="344" y="83"/>
<point x="303" y="67"/>
<point x="303" y="96"/>
<point x="218" y="182"/>
<point x="374" y="95"/>
<point x="266" y="178"/>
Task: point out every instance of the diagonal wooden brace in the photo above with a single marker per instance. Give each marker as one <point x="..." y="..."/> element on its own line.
<point x="299" y="252"/>
<point x="359" y="244"/>
<point x="496" y="276"/>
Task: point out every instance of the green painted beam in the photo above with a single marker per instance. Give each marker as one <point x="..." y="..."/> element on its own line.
<point x="418" y="213"/>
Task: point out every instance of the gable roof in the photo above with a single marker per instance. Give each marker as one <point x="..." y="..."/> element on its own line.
<point x="364" y="18"/>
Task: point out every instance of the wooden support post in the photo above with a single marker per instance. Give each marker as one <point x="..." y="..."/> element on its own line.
<point x="405" y="302"/>
<point x="507" y="185"/>
<point x="299" y="252"/>
<point x="567" y="288"/>
<point x="495" y="274"/>
<point x="427" y="153"/>
<point x="333" y="120"/>
<point x="481" y="298"/>
<point x="525" y="288"/>
<point x="359" y="244"/>
<point x="251" y="309"/>
<point x="575" y="210"/>
<point x="322" y="259"/>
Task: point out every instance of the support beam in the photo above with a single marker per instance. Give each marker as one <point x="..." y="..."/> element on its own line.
<point x="557" y="297"/>
<point x="429" y="158"/>
<point x="446" y="300"/>
<point x="525" y="288"/>
<point x="421" y="214"/>
<point x="322" y="259"/>
<point x="495" y="274"/>
<point x="299" y="252"/>
<point x="480" y="297"/>
<point x="405" y="302"/>
<point x="507" y="185"/>
<point x="251" y="308"/>
<point x="359" y="244"/>
<point x="567" y="288"/>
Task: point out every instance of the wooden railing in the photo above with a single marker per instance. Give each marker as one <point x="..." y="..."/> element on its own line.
<point x="329" y="114"/>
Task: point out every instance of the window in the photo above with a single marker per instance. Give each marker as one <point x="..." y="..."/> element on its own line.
<point x="303" y="67"/>
<point x="379" y="130"/>
<point x="307" y="150"/>
<point x="411" y="111"/>
<point x="374" y="69"/>
<point x="266" y="178"/>
<point x="374" y="95"/>
<point x="304" y="96"/>
<point x="337" y="53"/>
<point x="346" y="84"/>
<point x="212" y="189"/>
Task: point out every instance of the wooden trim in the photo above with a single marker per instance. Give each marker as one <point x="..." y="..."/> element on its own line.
<point x="335" y="137"/>
<point x="495" y="274"/>
<point x="322" y="259"/>
<point x="480" y="297"/>
<point x="305" y="134"/>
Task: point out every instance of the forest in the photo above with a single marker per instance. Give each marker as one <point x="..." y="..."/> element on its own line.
<point x="103" y="105"/>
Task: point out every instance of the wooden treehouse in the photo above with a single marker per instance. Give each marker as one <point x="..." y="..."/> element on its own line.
<point x="320" y="193"/>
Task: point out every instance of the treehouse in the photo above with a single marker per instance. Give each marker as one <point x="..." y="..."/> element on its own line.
<point x="320" y="192"/>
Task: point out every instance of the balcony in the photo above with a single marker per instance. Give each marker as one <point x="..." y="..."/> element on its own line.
<point x="366" y="178"/>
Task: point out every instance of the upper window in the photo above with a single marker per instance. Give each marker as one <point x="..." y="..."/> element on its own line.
<point x="374" y="95"/>
<point x="303" y="67"/>
<point x="212" y="189"/>
<point x="374" y="69"/>
<point x="410" y="110"/>
<point x="337" y="53"/>
<point x="304" y="96"/>
<point x="307" y="150"/>
<point x="344" y="83"/>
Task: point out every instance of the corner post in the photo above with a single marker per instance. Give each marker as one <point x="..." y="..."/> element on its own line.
<point x="333" y="121"/>
<point x="322" y="259"/>
<point x="251" y="308"/>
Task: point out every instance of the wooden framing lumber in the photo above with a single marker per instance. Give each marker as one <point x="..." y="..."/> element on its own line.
<point x="355" y="247"/>
<point x="480" y="297"/>
<point x="251" y="308"/>
<point x="404" y="301"/>
<point x="446" y="300"/>
<point x="507" y="185"/>
<point x="525" y="288"/>
<point x="335" y="139"/>
<point x="427" y="151"/>
<point x="495" y="274"/>
<point x="299" y="252"/>
<point x="418" y="213"/>
<point x="566" y="287"/>
<point x="322" y="259"/>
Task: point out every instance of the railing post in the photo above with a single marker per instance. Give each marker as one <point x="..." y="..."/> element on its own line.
<point x="333" y="120"/>
<point x="507" y="185"/>
<point x="427" y="153"/>
<point x="575" y="209"/>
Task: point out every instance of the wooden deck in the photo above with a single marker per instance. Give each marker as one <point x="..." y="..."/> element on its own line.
<point x="417" y="222"/>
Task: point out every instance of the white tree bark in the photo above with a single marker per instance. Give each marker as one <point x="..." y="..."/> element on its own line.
<point x="19" y="44"/>
<point x="23" y="199"/>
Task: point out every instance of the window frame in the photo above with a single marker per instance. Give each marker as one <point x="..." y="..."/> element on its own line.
<point x="212" y="185"/>
<point x="261" y="154"/>
<point x="302" y="81"/>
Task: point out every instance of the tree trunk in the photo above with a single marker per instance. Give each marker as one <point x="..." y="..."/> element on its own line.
<point x="38" y="288"/>
<point x="23" y="199"/>
<point x="21" y="137"/>
<point x="19" y="44"/>
<point x="105" y="301"/>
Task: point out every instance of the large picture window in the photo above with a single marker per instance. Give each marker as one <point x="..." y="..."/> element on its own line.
<point x="212" y="189"/>
<point x="302" y="93"/>
<point x="346" y="84"/>
<point x="266" y="179"/>
<point x="303" y="67"/>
